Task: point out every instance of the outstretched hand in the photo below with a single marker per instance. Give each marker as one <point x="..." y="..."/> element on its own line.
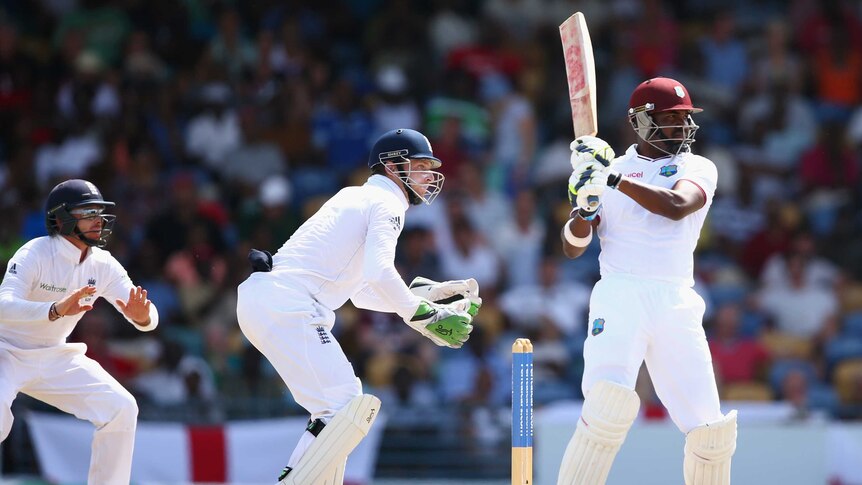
<point x="137" y="308"/>
<point x="71" y="304"/>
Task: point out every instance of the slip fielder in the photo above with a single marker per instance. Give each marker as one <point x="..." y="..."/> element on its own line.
<point x="49" y="284"/>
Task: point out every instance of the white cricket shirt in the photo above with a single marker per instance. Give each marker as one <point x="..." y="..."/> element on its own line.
<point x="347" y="250"/>
<point x="635" y="241"/>
<point x="44" y="271"/>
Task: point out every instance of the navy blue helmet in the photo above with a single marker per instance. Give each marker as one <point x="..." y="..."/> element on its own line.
<point x="401" y="143"/>
<point x="70" y="195"/>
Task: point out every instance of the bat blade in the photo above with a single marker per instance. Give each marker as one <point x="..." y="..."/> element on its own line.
<point x="580" y="74"/>
<point x="581" y="77"/>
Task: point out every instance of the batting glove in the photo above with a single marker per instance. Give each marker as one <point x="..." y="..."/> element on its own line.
<point x="445" y="325"/>
<point x="586" y="185"/>
<point x="446" y="292"/>
<point x="590" y="148"/>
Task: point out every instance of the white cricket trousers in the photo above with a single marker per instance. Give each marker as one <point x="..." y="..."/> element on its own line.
<point x="293" y="331"/>
<point x="633" y="320"/>
<point x="65" y="378"/>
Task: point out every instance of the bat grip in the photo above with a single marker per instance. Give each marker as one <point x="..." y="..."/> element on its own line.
<point x="593" y="200"/>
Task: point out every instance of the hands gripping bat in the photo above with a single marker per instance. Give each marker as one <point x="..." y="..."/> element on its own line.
<point x="581" y="76"/>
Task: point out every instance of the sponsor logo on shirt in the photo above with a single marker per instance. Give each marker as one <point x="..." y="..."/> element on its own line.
<point x="13" y="269"/>
<point x="52" y="288"/>
<point x="668" y="170"/>
<point x="598" y="326"/>
<point x="396" y="222"/>
<point x="635" y="175"/>
<point x="322" y="335"/>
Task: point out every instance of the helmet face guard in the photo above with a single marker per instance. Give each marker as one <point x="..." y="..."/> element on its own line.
<point x="660" y="95"/>
<point x="423" y="186"/>
<point x="654" y="134"/>
<point x="66" y="224"/>
<point x="403" y="148"/>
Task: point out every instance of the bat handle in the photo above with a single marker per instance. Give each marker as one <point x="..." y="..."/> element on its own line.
<point x="593" y="201"/>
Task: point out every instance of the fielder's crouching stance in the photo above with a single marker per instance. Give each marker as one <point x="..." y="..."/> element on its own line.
<point x="48" y="286"/>
<point x="648" y="227"/>
<point x="347" y="251"/>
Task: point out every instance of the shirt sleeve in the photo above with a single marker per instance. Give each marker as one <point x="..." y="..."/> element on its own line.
<point x="702" y="172"/>
<point x="378" y="269"/>
<point x="21" y="272"/>
<point x="118" y="289"/>
<point x="367" y="299"/>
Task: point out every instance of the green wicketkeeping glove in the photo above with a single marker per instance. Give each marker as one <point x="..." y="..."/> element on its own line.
<point x="446" y="292"/>
<point x="444" y="325"/>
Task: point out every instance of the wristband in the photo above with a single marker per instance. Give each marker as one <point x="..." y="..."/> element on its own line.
<point x="53" y="314"/>
<point x="614" y="179"/>
<point x="576" y="241"/>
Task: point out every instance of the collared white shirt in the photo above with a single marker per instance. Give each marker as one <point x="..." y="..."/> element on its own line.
<point x="637" y="242"/>
<point x="44" y="271"/>
<point x="347" y="250"/>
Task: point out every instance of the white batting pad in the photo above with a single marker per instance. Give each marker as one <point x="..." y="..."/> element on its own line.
<point x="708" y="450"/>
<point x="608" y="413"/>
<point x="324" y="460"/>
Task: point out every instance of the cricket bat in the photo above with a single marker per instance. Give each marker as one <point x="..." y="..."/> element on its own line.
<point x="581" y="77"/>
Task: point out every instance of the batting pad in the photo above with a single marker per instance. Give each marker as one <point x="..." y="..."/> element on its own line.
<point x="323" y="462"/>
<point x="708" y="450"/>
<point x="608" y="413"/>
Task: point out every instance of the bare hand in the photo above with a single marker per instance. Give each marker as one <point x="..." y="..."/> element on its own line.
<point x="137" y="309"/>
<point x="71" y="305"/>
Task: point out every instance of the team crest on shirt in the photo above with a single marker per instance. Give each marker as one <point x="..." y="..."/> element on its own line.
<point x="598" y="326"/>
<point x="668" y="170"/>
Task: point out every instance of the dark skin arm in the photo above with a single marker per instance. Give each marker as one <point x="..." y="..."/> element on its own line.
<point x="683" y="199"/>
<point x="580" y="228"/>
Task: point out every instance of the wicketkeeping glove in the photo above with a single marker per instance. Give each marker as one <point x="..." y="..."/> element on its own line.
<point x="445" y="325"/>
<point x="445" y="292"/>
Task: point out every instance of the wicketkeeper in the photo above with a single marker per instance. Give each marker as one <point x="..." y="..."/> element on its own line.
<point x="347" y="251"/>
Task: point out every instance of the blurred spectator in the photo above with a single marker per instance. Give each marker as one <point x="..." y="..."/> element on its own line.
<point x="342" y="129"/>
<point x="255" y="159"/>
<point x="736" y="358"/>
<point x="725" y="55"/>
<point x="519" y="239"/>
<point x="549" y="300"/>
<point x="777" y="60"/>
<point x="230" y="48"/>
<point x="819" y="272"/>
<point x="514" y="137"/>
<point x="470" y="257"/>
<point x="450" y="27"/>
<point x="178" y="378"/>
<point x="778" y="126"/>
<point x="215" y="131"/>
<point x="415" y="256"/>
<point x="104" y="27"/>
<point x="394" y="108"/>
<point x="800" y="308"/>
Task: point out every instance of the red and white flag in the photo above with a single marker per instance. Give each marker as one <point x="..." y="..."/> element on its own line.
<point x="238" y="452"/>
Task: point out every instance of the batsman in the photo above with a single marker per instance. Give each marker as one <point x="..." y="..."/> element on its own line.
<point x="347" y="251"/>
<point x="651" y="205"/>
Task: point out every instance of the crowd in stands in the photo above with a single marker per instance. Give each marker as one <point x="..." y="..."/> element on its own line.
<point x="218" y="126"/>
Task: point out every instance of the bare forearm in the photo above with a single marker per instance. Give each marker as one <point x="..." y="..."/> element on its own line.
<point x="671" y="203"/>
<point x="580" y="232"/>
